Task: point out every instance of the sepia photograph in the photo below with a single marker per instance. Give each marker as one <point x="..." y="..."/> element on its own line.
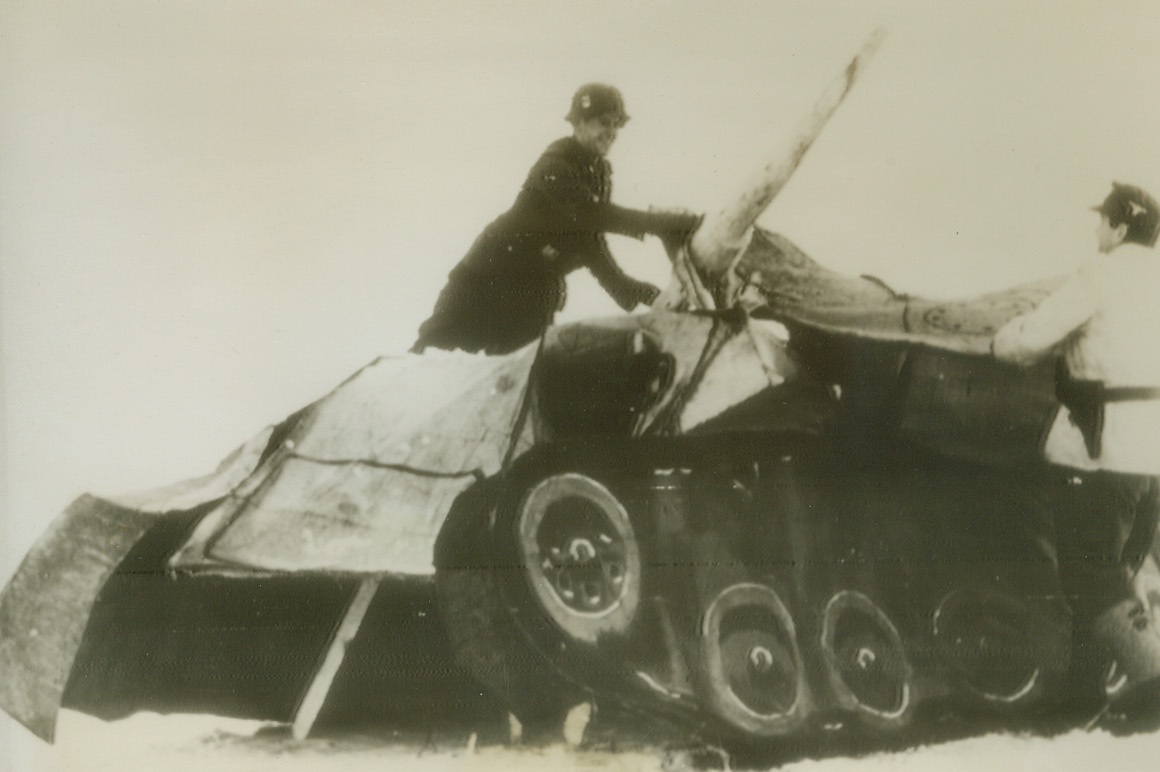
<point x="638" y="385"/>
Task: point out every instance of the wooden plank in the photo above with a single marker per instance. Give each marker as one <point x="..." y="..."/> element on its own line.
<point x="315" y="695"/>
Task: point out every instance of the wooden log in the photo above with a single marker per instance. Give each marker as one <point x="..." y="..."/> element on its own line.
<point x="319" y="687"/>
<point x="719" y="240"/>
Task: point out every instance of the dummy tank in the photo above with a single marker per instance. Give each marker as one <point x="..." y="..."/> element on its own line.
<point x="806" y="501"/>
<point x="823" y="510"/>
<point x="763" y="533"/>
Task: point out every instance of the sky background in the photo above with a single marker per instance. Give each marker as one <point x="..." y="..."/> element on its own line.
<point x="211" y="213"/>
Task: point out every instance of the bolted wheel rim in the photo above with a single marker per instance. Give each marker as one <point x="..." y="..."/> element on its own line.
<point x="752" y="670"/>
<point x="984" y="638"/>
<point x="867" y="663"/>
<point x="580" y="556"/>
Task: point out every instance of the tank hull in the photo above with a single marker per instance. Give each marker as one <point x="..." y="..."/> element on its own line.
<point x="762" y="586"/>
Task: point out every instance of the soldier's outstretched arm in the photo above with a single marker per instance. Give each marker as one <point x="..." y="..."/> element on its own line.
<point x="1029" y="338"/>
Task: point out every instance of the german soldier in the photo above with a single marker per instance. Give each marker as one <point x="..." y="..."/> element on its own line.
<point x="507" y="289"/>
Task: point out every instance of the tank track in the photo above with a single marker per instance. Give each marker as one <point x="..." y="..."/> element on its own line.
<point x="755" y="589"/>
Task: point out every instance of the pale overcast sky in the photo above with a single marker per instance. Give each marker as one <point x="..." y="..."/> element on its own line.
<point x="214" y="212"/>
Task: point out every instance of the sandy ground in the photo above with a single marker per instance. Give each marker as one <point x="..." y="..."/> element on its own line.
<point x="199" y="743"/>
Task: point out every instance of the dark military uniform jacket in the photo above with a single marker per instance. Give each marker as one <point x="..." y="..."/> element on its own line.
<point x="506" y="290"/>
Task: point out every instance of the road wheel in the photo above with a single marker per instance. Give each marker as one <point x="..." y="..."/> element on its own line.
<point x="751" y="669"/>
<point x="866" y="662"/>
<point x="987" y="640"/>
<point x="580" y="556"/>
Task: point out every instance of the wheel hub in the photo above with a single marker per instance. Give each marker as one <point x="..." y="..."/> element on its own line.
<point x="585" y="569"/>
<point x="760" y="660"/>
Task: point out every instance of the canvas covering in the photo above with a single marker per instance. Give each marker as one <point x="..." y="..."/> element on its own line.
<point x="363" y="481"/>
<point x="360" y="481"/>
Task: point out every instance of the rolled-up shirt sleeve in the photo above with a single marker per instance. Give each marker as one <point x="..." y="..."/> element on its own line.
<point x="1028" y="338"/>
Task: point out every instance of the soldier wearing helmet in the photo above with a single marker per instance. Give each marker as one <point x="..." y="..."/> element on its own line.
<point x="1103" y="323"/>
<point x="507" y="289"/>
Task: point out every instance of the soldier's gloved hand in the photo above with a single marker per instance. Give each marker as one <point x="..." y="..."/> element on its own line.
<point x="1146" y="586"/>
<point x="675" y="227"/>
<point x="637" y="293"/>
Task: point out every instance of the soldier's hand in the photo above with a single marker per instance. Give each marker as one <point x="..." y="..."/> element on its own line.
<point x="1146" y="586"/>
<point x="643" y="293"/>
<point x="675" y="227"/>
